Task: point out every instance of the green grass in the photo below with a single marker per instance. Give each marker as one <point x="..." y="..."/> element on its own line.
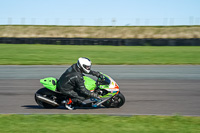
<point x="98" y="124"/>
<point x="24" y="54"/>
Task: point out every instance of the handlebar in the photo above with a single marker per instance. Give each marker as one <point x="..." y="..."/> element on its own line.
<point x="99" y="81"/>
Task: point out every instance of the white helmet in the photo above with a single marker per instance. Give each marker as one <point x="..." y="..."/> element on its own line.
<point x="84" y="64"/>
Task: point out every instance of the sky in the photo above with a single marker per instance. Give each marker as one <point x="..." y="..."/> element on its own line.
<point x="100" y="12"/>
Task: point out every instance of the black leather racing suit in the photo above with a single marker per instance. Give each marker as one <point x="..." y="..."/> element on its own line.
<point x="71" y="83"/>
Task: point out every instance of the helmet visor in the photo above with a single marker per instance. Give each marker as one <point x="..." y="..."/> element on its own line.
<point x="86" y="67"/>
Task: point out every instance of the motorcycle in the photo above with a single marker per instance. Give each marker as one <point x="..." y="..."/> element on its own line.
<point x="106" y="88"/>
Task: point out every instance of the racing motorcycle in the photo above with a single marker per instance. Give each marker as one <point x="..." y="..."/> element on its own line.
<point x="106" y="88"/>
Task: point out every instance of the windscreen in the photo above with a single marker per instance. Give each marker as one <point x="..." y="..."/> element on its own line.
<point x="106" y="81"/>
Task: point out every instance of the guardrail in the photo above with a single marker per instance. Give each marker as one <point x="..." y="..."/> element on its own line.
<point x="103" y="41"/>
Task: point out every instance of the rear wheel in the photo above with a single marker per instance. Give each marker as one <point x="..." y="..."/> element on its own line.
<point x="44" y="92"/>
<point x="115" y="102"/>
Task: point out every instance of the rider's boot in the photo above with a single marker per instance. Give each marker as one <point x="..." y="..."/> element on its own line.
<point x="78" y="102"/>
<point x="68" y="104"/>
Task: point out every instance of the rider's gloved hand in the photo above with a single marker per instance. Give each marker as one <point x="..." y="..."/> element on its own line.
<point x="101" y="76"/>
<point x="97" y="74"/>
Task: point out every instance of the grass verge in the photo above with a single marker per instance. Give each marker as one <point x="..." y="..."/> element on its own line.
<point x="98" y="124"/>
<point x="24" y="54"/>
<point x="100" y="31"/>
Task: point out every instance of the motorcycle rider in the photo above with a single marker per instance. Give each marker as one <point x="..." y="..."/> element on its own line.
<point x="71" y="82"/>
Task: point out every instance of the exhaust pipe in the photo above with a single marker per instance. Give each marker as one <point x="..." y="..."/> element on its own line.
<point x="46" y="100"/>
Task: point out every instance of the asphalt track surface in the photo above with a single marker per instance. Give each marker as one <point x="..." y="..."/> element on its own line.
<point x="148" y="89"/>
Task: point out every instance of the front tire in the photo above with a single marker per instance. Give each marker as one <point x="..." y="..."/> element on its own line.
<point x="115" y="102"/>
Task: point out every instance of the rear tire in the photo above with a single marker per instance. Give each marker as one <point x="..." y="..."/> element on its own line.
<point x="45" y="93"/>
<point x="115" y="102"/>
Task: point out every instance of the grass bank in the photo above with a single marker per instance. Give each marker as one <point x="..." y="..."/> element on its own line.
<point x="100" y="31"/>
<point x="22" y="54"/>
<point x="98" y="124"/>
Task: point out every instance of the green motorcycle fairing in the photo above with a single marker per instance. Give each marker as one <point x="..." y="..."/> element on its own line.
<point x="90" y="84"/>
<point x="50" y="83"/>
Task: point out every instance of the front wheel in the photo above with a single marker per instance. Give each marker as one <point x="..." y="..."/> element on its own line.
<point x="115" y="102"/>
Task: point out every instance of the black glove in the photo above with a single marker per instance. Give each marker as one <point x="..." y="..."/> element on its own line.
<point x="95" y="73"/>
<point x="101" y="76"/>
<point x="98" y="75"/>
<point x="94" y="95"/>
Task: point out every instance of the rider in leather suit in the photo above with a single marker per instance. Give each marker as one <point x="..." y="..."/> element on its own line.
<point x="71" y="83"/>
